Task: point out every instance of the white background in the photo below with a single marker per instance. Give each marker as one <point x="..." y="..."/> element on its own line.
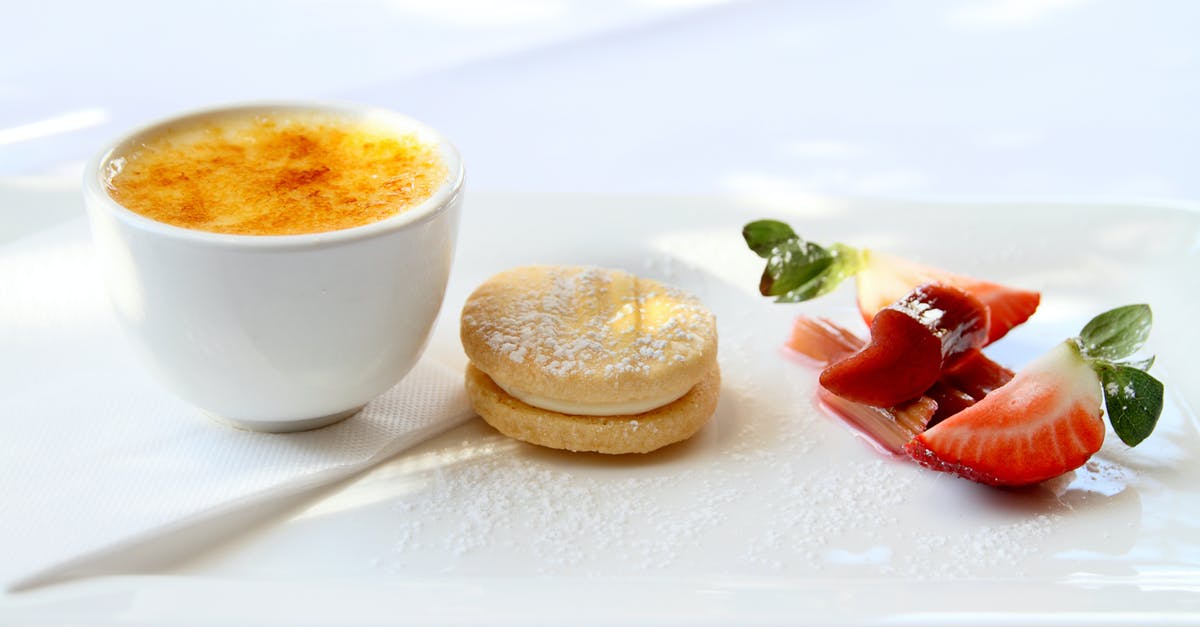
<point x="997" y="98"/>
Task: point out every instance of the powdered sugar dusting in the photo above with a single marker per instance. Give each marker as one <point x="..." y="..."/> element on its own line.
<point x="771" y="488"/>
<point x="767" y="489"/>
<point x="590" y="321"/>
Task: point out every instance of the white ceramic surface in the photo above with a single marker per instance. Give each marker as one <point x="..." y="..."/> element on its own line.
<point x="773" y="514"/>
<point x="278" y="333"/>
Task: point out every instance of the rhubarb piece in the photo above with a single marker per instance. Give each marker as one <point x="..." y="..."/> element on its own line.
<point x="976" y="375"/>
<point x="1047" y="420"/>
<point x="822" y="340"/>
<point x="969" y="380"/>
<point x="912" y="341"/>
<point x="799" y="270"/>
<point x="950" y="400"/>
<point x="889" y="428"/>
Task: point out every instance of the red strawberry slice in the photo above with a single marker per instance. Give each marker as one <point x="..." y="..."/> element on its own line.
<point x="884" y="279"/>
<point x="912" y="341"/>
<point x="1043" y="423"/>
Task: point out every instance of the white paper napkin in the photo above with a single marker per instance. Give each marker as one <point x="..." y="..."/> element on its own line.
<point x="94" y="456"/>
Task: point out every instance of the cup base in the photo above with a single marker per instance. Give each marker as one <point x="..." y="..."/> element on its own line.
<point x="286" y="426"/>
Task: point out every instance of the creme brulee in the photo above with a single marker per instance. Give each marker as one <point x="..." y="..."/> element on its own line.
<point x="283" y="173"/>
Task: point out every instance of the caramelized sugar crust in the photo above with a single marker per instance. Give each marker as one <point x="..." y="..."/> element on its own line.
<point x="285" y="173"/>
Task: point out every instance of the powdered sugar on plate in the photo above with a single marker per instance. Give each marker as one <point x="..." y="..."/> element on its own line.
<point x="773" y="495"/>
<point x="515" y="510"/>
<point x="821" y="504"/>
<point x="587" y="321"/>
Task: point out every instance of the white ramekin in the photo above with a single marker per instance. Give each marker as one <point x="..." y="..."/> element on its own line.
<point x="278" y="332"/>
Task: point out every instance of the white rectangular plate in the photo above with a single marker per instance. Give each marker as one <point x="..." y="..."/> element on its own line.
<point x="774" y="512"/>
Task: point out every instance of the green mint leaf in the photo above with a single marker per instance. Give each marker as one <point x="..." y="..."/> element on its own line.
<point x="1133" y="398"/>
<point x="845" y="262"/>
<point x="798" y="270"/>
<point x="1117" y="333"/>
<point x="1140" y="364"/>
<point x="791" y="266"/>
<point x="763" y="236"/>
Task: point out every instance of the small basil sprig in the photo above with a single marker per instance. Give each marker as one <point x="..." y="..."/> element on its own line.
<point x="798" y="270"/>
<point x="1133" y="398"/>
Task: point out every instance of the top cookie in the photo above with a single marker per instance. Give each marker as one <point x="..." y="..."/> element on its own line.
<point x="570" y="335"/>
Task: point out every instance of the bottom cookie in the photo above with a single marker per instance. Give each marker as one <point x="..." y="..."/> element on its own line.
<point x="639" y="433"/>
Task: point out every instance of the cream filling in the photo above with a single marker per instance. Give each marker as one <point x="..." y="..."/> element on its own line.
<point x="626" y="408"/>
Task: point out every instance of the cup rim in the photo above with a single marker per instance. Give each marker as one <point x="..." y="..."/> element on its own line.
<point x="442" y="198"/>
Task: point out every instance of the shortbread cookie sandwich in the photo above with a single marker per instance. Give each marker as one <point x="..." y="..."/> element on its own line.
<point x="590" y="359"/>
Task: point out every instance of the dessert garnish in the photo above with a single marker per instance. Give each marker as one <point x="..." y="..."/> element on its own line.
<point x="1048" y="419"/>
<point x="923" y="387"/>
<point x="912" y="341"/>
<point x="799" y="270"/>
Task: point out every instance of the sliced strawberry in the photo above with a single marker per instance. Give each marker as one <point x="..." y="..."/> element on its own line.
<point x="884" y="279"/>
<point x="1043" y="423"/>
<point x="912" y="341"/>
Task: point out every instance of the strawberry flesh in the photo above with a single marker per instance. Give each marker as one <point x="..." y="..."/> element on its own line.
<point x="884" y="279"/>
<point x="1045" y="422"/>
<point x="912" y="341"/>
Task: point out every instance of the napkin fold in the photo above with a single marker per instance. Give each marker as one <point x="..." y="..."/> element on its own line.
<point x="95" y="458"/>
